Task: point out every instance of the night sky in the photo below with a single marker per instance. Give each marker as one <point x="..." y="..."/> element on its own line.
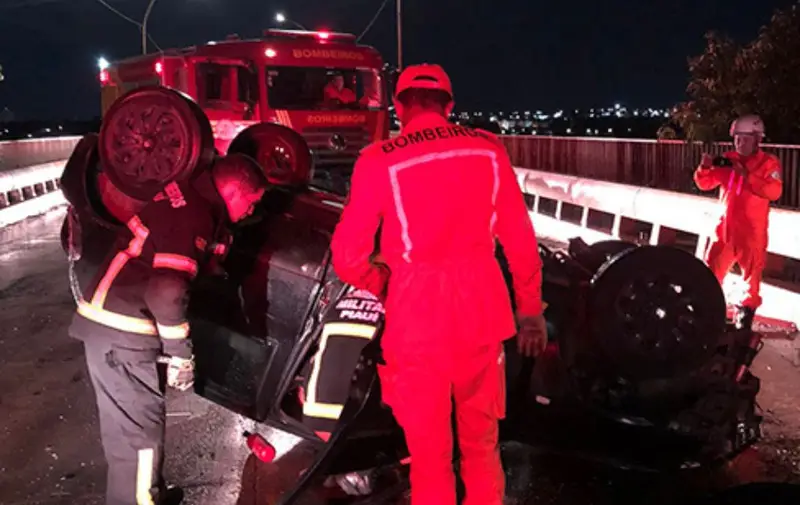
<point x="501" y="54"/>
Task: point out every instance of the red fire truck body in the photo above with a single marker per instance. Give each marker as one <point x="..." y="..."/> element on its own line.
<point x="280" y="78"/>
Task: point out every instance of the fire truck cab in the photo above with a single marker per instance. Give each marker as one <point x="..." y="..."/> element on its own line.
<point x="322" y="85"/>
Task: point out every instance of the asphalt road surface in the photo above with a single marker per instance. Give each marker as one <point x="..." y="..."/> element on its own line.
<point x="49" y="443"/>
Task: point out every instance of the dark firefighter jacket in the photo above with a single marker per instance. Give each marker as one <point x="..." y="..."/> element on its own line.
<point x="138" y="289"/>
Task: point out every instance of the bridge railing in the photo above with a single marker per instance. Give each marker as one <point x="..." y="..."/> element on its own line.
<point x="29" y="191"/>
<point x="657" y="164"/>
<point x="28" y="152"/>
<point x="649" y="211"/>
<point x="30" y="171"/>
<point x="666" y="165"/>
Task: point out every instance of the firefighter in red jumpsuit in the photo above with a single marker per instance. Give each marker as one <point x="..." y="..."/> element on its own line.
<point x="337" y="92"/>
<point x="441" y="195"/>
<point x="749" y="179"/>
<point x="132" y="314"/>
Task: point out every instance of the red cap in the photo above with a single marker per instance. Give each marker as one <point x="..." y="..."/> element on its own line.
<point x="424" y="76"/>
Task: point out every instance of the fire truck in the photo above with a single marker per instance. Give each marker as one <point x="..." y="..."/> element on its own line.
<point x="323" y="85"/>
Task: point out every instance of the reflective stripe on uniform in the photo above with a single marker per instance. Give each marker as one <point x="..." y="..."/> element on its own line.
<point x="140" y="233"/>
<point x="219" y="249"/>
<point x="176" y="332"/>
<point x="322" y="410"/>
<point x="430" y="158"/>
<point x="119" y="322"/>
<point x="144" y="477"/>
<point x="175" y="262"/>
<point x="312" y="407"/>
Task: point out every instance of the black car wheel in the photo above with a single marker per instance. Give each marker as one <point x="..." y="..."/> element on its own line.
<point x="152" y="136"/>
<point x="282" y="153"/>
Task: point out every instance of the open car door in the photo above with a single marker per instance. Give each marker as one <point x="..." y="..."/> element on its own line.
<point x="247" y="323"/>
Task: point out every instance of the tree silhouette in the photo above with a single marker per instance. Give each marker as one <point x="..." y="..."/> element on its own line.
<point x="762" y="77"/>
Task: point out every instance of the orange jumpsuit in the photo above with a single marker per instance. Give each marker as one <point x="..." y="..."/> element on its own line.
<point x="742" y="233"/>
<point x="441" y="194"/>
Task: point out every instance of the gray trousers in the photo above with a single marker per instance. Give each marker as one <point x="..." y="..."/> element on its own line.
<point x="131" y="405"/>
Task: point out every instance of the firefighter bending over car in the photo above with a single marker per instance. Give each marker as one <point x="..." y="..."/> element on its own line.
<point x="445" y="297"/>
<point x="749" y="179"/>
<point x="133" y="314"/>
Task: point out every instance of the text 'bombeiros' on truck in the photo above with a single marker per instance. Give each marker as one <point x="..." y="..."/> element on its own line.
<point x="322" y="85"/>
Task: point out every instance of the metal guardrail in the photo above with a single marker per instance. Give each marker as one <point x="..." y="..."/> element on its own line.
<point x="660" y="209"/>
<point x="25" y="192"/>
<point x="648" y="167"/>
<point x="30" y="182"/>
<point x="660" y="164"/>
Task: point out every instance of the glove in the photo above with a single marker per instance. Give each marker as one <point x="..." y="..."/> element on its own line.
<point x="180" y="373"/>
<point x="532" y="335"/>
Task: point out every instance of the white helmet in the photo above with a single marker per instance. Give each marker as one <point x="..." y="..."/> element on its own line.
<point x="748" y="125"/>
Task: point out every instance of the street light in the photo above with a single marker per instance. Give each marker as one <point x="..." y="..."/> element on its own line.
<point x="103" y="63"/>
<point x="142" y="26"/>
<point x="281" y="18"/>
<point x="399" y="35"/>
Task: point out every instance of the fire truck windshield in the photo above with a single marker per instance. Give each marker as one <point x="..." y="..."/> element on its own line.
<point x="312" y="88"/>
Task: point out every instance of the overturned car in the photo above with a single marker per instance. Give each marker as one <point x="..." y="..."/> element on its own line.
<point x="642" y="369"/>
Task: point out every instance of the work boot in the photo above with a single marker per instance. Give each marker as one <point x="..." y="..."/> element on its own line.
<point x="744" y="318"/>
<point x="171" y="496"/>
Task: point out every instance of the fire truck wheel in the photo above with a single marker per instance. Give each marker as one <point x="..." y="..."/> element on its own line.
<point x="89" y="191"/>
<point x="282" y="153"/>
<point x="151" y="136"/>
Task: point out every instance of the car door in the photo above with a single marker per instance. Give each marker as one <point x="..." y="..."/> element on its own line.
<point x="246" y="324"/>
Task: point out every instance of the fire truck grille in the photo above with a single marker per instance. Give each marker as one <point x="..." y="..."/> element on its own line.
<point x="336" y="146"/>
<point x="335" y="150"/>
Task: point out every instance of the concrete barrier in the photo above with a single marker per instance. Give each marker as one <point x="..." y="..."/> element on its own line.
<point x="661" y="209"/>
<point x="29" y="191"/>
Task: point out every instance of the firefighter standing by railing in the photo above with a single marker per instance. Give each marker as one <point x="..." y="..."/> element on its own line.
<point x="749" y="179"/>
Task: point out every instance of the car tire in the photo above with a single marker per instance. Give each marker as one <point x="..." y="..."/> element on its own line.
<point x="655" y="312"/>
<point x="281" y="152"/>
<point x="88" y="189"/>
<point x="152" y="136"/>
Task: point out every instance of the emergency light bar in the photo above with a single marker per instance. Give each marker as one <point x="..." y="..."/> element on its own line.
<point x="323" y="35"/>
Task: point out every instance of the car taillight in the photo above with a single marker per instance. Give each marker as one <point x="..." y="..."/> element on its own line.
<point x="262" y="449"/>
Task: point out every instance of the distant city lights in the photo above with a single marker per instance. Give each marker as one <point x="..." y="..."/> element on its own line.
<point x="597" y="121"/>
